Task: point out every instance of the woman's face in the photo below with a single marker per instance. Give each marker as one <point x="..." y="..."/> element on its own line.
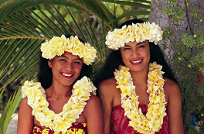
<point x="66" y="68"/>
<point x="136" y="55"/>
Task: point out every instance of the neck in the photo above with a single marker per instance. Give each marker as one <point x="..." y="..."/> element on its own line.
<point x="59" y="91"/>
<point x="140" y="77"/>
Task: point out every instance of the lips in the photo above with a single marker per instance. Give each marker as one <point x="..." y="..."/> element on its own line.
<point x="67" y="75"/>
<point x="136" y="62"/>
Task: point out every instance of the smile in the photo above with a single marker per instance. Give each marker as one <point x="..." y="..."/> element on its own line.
<point x="136" y="61"/>
<point x="67" y="75"/>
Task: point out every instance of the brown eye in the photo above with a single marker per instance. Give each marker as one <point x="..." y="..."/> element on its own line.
<point x="76" y="62"/>
<point x="63" y="60"/>
<point x="126" y="48"/>
<point x="141" y="46"/>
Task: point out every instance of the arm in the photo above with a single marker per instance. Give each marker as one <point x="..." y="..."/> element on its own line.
<point x="174" y="108"/>
<point x="25" y="118"/>
<point x="93" y="115"/>
<point x="106" y="101"/>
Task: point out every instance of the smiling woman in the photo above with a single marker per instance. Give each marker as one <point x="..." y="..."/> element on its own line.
<point x="137" y="89"/>
<point x="64" y="98"/>
<point x="66" y="68"/>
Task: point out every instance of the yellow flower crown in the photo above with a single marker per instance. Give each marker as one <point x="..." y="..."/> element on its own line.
<point x="138" y="32"/>
<point x="58" y="45"/>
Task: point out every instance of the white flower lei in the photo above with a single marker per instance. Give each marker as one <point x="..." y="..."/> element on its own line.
<point x="153" y="120"/>
<point x="58" y="45"/>
<point x="71" y="110"/>
<point x="138" y="32"/>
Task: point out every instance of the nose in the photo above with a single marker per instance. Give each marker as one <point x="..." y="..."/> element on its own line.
<point x="134" y="53"/>
<point x="69" y="67"/>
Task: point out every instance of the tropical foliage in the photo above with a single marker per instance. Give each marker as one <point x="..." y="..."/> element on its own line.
<point x="25" y="24"/>
<point x="188" y="58"/>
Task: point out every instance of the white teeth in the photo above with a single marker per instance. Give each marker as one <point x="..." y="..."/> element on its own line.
<point x="136" y="61"/>
<point x="68" y="75"/>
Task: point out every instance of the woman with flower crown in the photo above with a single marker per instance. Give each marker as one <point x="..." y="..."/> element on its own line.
<point x="137" y="89"/>
<point x="63" y="101"/>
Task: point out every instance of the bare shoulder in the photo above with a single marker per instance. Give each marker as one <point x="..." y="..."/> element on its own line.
<point x="25" y="118"/>
<point x="170" y="85"/>
<point x="93" y="105"/>
<point x="24" y="102"/>
<point x="93" y="115"/>
<point x="24" y="107"/>
<point x="174" y="106"/>
<point x="171" y="88"/>
<point x="93" y="101"/>
<point x="107" y="85"/>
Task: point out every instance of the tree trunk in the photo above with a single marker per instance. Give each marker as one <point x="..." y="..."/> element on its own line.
<point x="187" y="25"/>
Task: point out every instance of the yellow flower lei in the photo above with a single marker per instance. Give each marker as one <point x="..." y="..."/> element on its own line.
<point x="71" y="110"/>
<point x="153" y="120"/>
<point x="58" y="45"/>
<point x="138" y="32"/>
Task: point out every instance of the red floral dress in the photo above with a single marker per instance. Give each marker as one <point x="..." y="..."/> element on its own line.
<point x="119" y="122"/>
<point x="76" y="128"/>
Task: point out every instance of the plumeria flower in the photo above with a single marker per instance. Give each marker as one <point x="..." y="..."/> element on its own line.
<point x="58" y="45"/>
<point x="136" y="32"/>
<point x="71" y="110"/>
<point x="153" y="120"/>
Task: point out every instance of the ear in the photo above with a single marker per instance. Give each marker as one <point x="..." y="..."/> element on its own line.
<point x="50" y="63"/>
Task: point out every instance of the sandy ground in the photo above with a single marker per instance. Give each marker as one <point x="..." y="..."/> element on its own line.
<point x="12" y="127"/>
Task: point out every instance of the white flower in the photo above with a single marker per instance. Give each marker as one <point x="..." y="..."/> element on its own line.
<point x="71" y="110"/>
<point x="58" y="45"/>
<point x="136" y="32"/>
<point x="153" y="120"/>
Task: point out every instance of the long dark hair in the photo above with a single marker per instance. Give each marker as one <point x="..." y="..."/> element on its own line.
<point x="114" y="60"/>
<point x="45" y="72"/>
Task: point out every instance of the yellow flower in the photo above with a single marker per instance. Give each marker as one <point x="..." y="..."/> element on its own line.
<point x="155" y="125"/>
<point x="153" y="120"/>
<point x="160" y="83"/>
<point x="201" y="20"/>
<point x="58" y="45"/>
<point x="179" y="58"/>
<point x="127" y="107"/>
<point x="138" y="32"/>
<point x="202" y="114"/>
<point x="189" y="65"/>
<point x="151" y="109"/>
<point x="194" y="35"/>
<point x="133" y="123"/>
<point x="133" y="114"/>
<point x="71" y="110"/>
<point x="61" y="127"/>
<point x="153" y="76"/>
<point x="123" y="82"/>
<point x="126" y="90"/>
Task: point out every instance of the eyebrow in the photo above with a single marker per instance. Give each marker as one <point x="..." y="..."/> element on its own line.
<point x="68" y="58"/>
<point x="136" y="44"/>
<point x="64" y="56"/>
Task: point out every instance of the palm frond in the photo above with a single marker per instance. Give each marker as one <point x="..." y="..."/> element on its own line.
<point x="10" y="108"/>
<point x="138" y="3"/>
<point x="128" y="14"/>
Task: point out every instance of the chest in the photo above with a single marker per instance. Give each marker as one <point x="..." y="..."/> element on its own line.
<point x="142" y="94"/>
<point x="143" y="97"/>
<point x="57" y="105"/>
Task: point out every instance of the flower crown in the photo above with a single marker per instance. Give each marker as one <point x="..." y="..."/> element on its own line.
<point x="138" y="32"/>
<point x="58" y="45"/>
